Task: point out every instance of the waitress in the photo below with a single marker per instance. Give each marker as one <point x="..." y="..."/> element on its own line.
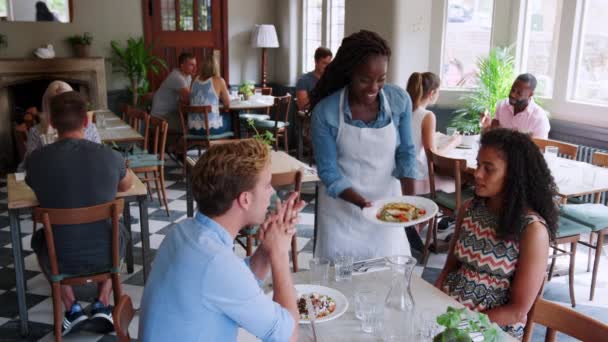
<point x="361" y="135"/>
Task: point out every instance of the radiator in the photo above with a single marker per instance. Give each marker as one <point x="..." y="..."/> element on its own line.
<point x="585" y="154"/>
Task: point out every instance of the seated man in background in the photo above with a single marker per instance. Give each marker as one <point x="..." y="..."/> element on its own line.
<point x="74" y="173"/>
<point x="199" y="290"/>
<point x="175" y="88"/>
<point x="519" y="112"/>
<point x="308" y="81"/>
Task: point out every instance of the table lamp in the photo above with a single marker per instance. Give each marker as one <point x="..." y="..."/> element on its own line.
<point x="264" y="36"/>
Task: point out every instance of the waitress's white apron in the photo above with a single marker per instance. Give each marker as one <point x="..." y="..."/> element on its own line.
<point x="366" y="157"/>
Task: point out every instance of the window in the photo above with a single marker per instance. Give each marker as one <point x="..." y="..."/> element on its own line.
<point x="467" y="36"/>
<point x="541" y="36"/>
<point x="323" y="26"/>
<point x="592" y="67"/>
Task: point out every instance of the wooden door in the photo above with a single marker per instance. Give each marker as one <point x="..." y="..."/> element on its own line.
<point x="175" y="26"/>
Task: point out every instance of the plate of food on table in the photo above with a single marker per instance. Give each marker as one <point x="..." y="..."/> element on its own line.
<point x="400" y="211"/>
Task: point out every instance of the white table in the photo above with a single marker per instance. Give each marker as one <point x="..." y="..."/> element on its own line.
<point x="347" y="327"/>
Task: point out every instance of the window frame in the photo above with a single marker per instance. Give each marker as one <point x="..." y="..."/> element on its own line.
<point x="326" y="31"/>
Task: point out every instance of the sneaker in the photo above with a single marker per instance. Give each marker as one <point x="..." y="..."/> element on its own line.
<point x="445" y="223"/>
<point x="72" y="319"/>
<point x="101" y="316"/>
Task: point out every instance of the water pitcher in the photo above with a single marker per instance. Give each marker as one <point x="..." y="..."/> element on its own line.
<point x="399" y="303"/>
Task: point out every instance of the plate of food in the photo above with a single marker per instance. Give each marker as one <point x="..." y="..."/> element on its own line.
<point x="329" y="303"/>
<point x="400" y="211"/>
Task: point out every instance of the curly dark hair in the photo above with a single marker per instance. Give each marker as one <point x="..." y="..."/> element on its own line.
<point x="355" y="50"/>
<point x="528" y="184"/>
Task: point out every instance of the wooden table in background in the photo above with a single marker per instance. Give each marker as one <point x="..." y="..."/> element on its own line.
<point x="116" y="130"/>
<point x="263" y="102"/>
<point x="22" y="198"/>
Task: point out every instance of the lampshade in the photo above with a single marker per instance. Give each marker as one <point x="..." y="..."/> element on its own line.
<point x="264" y="36"/>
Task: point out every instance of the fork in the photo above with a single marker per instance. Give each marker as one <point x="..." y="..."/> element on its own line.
<point x="312" y="316"/>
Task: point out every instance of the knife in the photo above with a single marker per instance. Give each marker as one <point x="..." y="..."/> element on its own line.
<point x="312" y="316"/>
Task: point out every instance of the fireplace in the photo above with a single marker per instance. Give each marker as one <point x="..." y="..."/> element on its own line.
<point x="22" y="82"/>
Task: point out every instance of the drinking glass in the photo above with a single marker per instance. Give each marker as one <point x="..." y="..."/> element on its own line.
<point x="361" y="297"/>
<point x="319" y="270"/>
<point x="344" y="267"/>
<point x="371" y="313"/>
<point x="551" y="151"/>
<point x="451" y="131"/>
<point x="100" y="121"/>
<point x="427" y="326"/>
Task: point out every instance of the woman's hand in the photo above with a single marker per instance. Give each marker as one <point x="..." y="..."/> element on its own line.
<point x="351" y="196"/>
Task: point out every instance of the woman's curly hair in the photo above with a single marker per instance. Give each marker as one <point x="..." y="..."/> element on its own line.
<point x="529" y="184"/>
<point x="355" y="50"/>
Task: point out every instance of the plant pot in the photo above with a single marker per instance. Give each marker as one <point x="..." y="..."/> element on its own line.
<point x="81" y="50"/>
<point x="470" y="140"/>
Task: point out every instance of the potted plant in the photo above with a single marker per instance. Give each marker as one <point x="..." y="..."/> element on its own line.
<point x="266" y="137"/>
<point x="495" y="76"/>
<point x="135" y="60"/>
<point x="461" y="323"/>
<point x="81" y="44"/>
<point x="247" y="89"/>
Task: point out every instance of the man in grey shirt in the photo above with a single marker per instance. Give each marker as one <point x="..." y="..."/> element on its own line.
<point x="174" y="88"/>
<point x="308" y="81"/>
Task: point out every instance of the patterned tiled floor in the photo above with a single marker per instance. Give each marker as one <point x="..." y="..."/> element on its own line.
<point x="38" y="291"/>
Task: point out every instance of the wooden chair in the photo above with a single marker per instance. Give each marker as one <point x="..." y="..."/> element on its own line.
<point x="566" y="150"/>
<point x="595" y="217"/>
<point x="278" y="180"/>
<point x="279" y="121"/>
<point x="123" y="315"/>
<point x="153" y="160"/>
<point x="50" y="217"/>
<point x="145" y="101"/>
<point x="529" y="327"/>
<point x="557" y="317"/>
<point x="199" y="141"/>
<point x="449" y="203"/>
<point x="140" y="121"/>
<point x="265" y="90"/>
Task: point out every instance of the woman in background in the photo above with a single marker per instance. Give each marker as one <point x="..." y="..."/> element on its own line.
<point x="424" y="91"/>
<point x="207" y="90"/>
<point x="513" y="218"/>
<point x="34" y="137"/>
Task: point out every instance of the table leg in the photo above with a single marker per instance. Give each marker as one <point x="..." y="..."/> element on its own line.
<point x="126" y="216"/>
<point x="145" y="234"/>
<point x="314" y="235"/>
<point x="189" y="199"/>
<point x="19" y="272"/>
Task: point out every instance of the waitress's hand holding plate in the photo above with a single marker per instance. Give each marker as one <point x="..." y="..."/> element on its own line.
<point x="424" y="209"/>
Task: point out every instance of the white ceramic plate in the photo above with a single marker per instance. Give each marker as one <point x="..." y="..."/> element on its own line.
<point x="429" y="206"/>
<point x="337" y="296"/>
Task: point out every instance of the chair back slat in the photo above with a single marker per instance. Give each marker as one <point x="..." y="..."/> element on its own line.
<point x="140" y="121"/>
<point x="265" y="90"/>
<point x="280" y="109"/>
<point x="448" y="167"/>
<point x="158" y="129"/>
<point x="185" y="110"/>
<point x="123" y="315"/>
<point x="565" y="149"/>
<point x="600" y="159"/>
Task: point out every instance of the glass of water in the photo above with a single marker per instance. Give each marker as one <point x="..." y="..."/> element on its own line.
<point x="362" y="296"/>
<point x="451" y="131"/>
<point x="371" y="313"/>
<point x="100" y="121"/>
<point x="344" y="267"/>
<point x="319" y="270"/>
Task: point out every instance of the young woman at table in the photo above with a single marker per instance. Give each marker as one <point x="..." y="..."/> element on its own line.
<point x="498" y="256"/>
<point x="363" y="147"/>
<point x="424" y="91"/>
<point x="34" y="137"/>
<point x="207" y="90"/>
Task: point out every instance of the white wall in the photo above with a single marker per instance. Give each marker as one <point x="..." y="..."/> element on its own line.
<point x="23" y="10"/>
<point x="287" y="56"/>
<point x="245" y="62"/>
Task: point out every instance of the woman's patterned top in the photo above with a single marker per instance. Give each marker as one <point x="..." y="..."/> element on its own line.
<point x="487" y="263"/>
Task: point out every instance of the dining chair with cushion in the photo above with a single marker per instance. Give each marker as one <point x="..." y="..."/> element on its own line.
<point x="140" y="121"/>
<point x="293" y="180"/>
<point x="51" y="218"/>
<point x="566" y="150"/>
<point x="189" y="140"/>
<point x="448" y="203"/>
<point x="123" y="315"/>
<point x="595" y="217"/>
<point x="278" y="123"/>
<point x="557" y="317"/>
<point x="151" y="163"/>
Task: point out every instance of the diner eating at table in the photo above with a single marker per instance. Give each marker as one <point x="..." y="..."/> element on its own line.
<point x="71" y="173"/>
<point x="199" y="289"/>
<point x="362" y="137"/>
<point x="498" y="254"/>
<point x="307" y="82"/>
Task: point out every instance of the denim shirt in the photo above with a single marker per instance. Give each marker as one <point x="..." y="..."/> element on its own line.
<point x="199" y="290"/>
<point x="325" y="123"/>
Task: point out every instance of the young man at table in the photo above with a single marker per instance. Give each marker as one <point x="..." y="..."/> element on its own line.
<point x="74" y="173"/>
<point x="308" y="81"/>
<point x="175" y="88"/>
<point x="199" y="290"/>
<point x="519" y="111"/>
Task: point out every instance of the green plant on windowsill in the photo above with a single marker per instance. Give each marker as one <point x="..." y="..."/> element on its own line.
<point x="477" y="322"/>
<point x="495" y="76"/>
<point x="247" y="89"/>
<point x="266" y="137"/>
